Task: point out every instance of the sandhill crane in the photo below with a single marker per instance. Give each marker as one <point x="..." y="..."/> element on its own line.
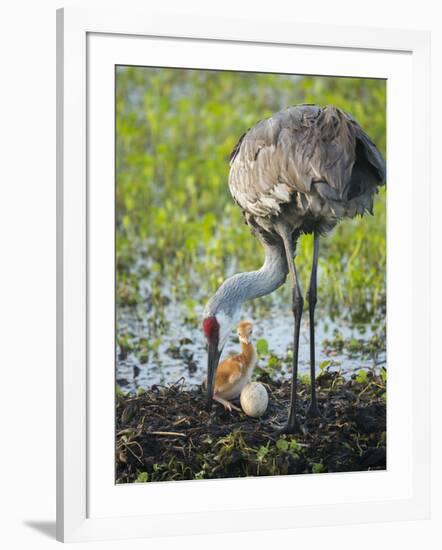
<point x="298" y="172"/>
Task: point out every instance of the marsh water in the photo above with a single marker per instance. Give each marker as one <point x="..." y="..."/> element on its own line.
<point x="179" y="234"/>
<point x="180" y="353"/>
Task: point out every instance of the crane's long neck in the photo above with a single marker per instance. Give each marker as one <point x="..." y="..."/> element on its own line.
<point x="253" y="284"/>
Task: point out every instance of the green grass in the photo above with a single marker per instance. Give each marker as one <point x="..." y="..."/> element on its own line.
<point x="167" y="435"/>
<point x="179" y="232"/>
<point x="177" y="226"/>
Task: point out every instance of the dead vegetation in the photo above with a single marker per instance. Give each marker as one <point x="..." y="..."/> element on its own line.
<point x="166" y="434"/>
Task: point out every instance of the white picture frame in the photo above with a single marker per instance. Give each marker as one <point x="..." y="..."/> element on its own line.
<point x="89" y="505"/>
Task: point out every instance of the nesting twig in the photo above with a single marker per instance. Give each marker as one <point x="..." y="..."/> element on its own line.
<point x="349" y="437"/>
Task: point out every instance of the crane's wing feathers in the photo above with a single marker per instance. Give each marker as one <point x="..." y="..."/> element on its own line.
<point x="298" y="148"/>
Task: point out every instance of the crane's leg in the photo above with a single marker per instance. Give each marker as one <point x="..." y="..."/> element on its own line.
<point x="292" y="425"/>
<point x="312" y="298"/>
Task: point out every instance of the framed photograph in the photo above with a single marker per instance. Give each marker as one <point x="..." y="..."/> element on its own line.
<point x="243" y="275"/>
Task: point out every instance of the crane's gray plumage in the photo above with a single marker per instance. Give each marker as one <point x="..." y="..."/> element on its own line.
<point x="299" y="171"/>
<point x="306" y="165"/>
<point x="253" y="284"/>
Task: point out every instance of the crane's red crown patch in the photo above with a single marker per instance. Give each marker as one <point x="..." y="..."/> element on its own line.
<point x="211" y="328"/>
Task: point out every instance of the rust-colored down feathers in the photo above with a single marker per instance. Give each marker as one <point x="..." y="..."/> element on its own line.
<point x="235" y="372"/>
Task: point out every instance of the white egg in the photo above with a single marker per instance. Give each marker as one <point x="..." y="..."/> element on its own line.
<point x="254" y="399"/>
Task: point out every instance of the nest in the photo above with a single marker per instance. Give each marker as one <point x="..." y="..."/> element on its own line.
<point x="166" y="434"/>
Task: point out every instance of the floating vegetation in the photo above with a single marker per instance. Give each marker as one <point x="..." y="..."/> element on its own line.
<point x="165" y="433"/>
<point x="179" y="235"/>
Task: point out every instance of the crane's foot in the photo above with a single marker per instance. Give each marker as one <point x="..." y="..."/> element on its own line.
<point x="291" y="427"/>
<point x="314" y="412"/>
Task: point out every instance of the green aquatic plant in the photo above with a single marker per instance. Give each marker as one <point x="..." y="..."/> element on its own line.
<point x="175" y="130"/>
<point x="179" y="233"/>
<point x="165" y="434"/>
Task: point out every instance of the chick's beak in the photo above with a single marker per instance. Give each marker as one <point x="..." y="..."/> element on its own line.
<point x="212" y="363"/>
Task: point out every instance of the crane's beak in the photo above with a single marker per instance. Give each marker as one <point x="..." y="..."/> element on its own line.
<point x="212" y="363"/>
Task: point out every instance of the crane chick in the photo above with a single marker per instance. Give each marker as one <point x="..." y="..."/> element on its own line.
<point x="235" y="372"/>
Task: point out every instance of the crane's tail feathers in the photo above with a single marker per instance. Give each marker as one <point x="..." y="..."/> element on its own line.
<point x="366" y="148"/>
